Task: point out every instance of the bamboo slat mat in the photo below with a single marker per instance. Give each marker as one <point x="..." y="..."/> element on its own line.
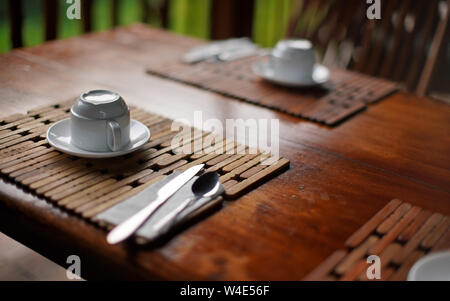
<point x="86" y="187"/>
<point x="346" y="94"/>
<point x="400" y="234"/>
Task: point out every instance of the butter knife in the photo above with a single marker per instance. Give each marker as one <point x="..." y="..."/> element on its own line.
<point x="133" y="223"/>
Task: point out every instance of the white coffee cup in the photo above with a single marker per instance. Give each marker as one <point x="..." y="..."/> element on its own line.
<point x="100" y="121"/>
<point x="293" y="59"/>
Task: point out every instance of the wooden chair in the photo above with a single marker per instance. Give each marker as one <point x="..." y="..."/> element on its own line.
<point x="403" y="45"/>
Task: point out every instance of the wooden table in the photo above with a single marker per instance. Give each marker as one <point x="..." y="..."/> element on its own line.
<point x="339" y="177"/>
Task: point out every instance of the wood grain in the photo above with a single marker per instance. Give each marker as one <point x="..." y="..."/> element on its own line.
<point x="339" y="177"/>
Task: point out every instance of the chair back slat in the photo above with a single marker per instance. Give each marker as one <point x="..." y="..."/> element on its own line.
<point x="165" y="14"/>
<point x="154" y="9"/>
<point x="398" y="46"/>
<point x="16" y="21"/>
<point x="436" y="49"/>
<point x="375" y="36"/>
<point x="231" y="18"/>
<point x="115" y="12"/>
<point x="145" y="6"/>
<point x="296" y="13"/>
<point x="409" y="59"/>
<point x="86" y="12"/>
<point x="383" y="30"/>
<point x="50" y="8"/>
<point x="418" y="56"/>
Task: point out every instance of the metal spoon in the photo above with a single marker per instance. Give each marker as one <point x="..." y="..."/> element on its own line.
<point x="206" y="186"/>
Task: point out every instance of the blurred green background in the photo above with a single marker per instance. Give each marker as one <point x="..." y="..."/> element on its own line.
<point x="190" y="17"/>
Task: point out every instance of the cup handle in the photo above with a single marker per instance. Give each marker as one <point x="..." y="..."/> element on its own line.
<point x="114" y="135"/>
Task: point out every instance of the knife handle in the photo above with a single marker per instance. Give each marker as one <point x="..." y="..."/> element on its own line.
<point x="133" y="223"/>
<point x="170" y="218"/>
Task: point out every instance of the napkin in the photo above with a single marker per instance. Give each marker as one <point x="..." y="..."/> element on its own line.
<point x="120" y="212"/>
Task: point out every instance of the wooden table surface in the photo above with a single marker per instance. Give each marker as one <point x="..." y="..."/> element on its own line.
<point x="339" y="177"/>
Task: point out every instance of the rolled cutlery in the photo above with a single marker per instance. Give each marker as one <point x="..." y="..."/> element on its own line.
<point x="133" y="223"/>
<point x="214" y="49"/>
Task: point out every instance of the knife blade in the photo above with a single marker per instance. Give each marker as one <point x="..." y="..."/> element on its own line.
<point x="133" y="223"/>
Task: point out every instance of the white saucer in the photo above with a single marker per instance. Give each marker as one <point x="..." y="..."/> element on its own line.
<point x="320" y="75"/>
<point x="433" y="267"/>
<point x="58" y="135"/>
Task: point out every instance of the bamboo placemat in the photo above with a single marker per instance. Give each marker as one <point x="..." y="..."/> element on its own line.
<point x="87" y="187"/>
<point x="346" y="94"/>
<point x="400" y="234"/>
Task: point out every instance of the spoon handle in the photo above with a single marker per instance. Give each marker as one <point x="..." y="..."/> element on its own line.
<point x="169" y="218"/>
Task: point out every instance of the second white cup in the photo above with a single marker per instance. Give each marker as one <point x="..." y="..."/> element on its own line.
<point x="293" y="59"/>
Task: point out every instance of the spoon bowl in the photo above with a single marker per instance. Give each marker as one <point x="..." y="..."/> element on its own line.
<point x="206" y="185"/>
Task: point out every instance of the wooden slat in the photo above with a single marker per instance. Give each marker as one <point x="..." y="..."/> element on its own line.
<point x="434" y="52"/>
<point x="417" y="238"/>
<point x="23" y="167"/>
<point x="372" y="224"/>
<point x="394" y="231"/>
<point x="432" y="238"/>
<point x="414" y="226"/>
<point x="253" y="180"/>
<point x="44" y="172"/>
<point x="421" y="54"/>
<point x="443" y="243"/>
<point x="99" y="201"/>
<point x="326" y="267"/>
<point x="390" y="222"/>
<point x="84" y="197"/>
<point x="96" y="210"/>
<point x="57" y="180"/>
<point x="355" y="255"/>
<point x="81" y="177"/>
<point x="402" y="273"/>
<point x="355" y="271"/>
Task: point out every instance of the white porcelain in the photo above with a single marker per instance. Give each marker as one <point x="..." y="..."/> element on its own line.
<point x="58" y="135"/>
<point x="433" y="267"/>
<point x="100" y="122"/>
<point x="319" y="75"/>
<point x="293" y="58"/>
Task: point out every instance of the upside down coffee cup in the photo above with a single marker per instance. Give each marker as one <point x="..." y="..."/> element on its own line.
<point x="293" y="59"/>
<point x="100" y="122"/>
